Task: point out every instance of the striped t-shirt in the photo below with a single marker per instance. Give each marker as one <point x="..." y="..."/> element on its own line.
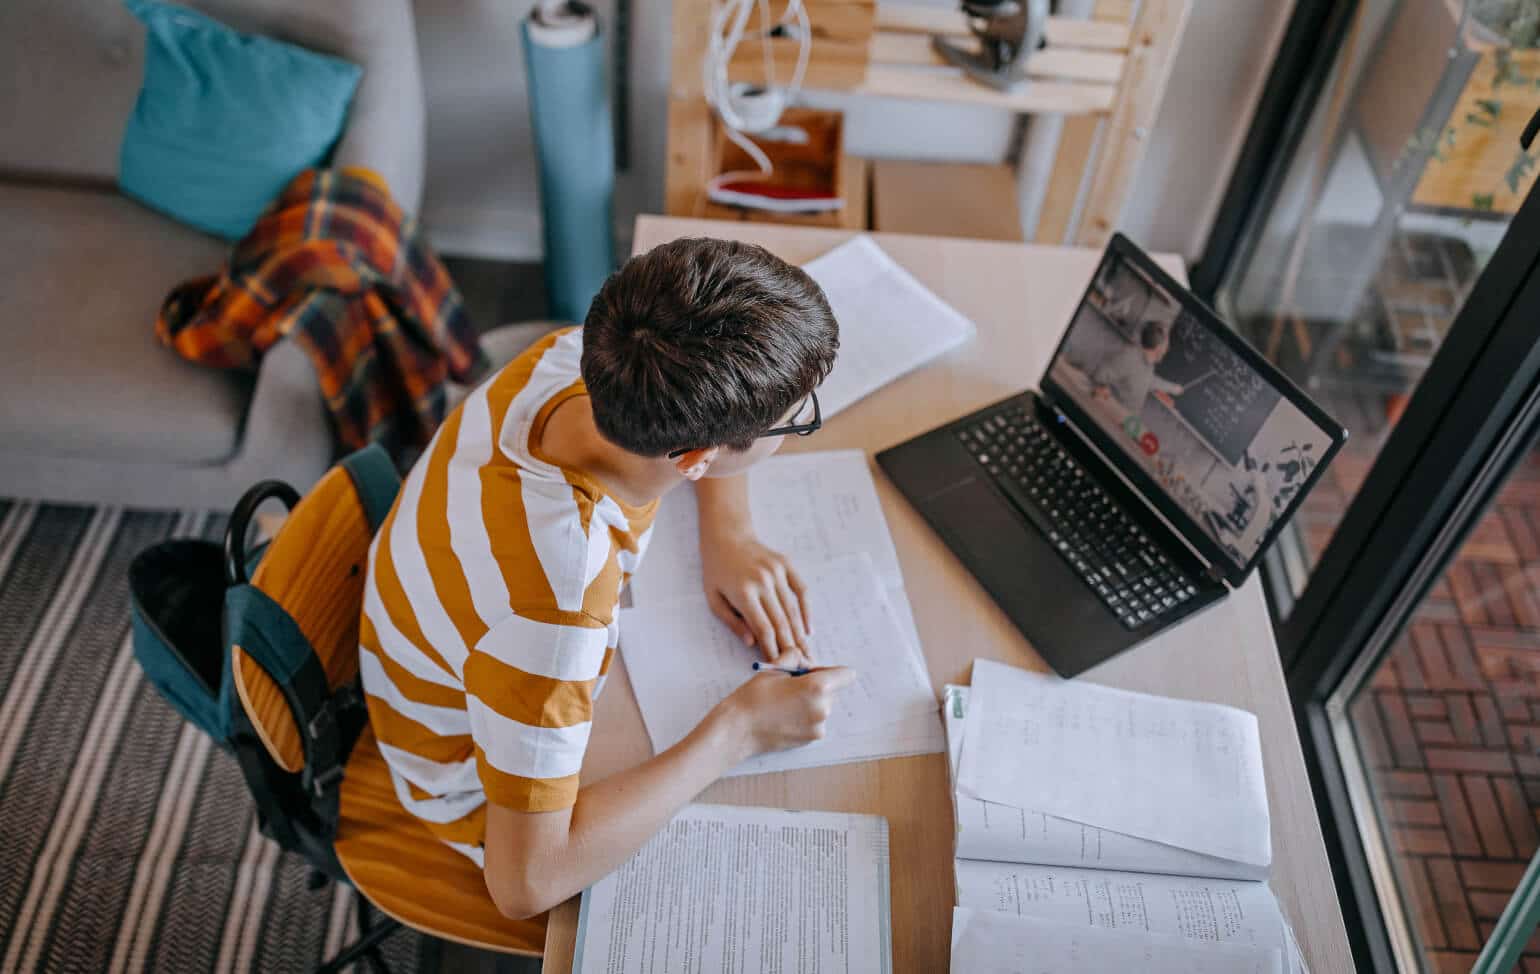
<point x="489" y="613"/>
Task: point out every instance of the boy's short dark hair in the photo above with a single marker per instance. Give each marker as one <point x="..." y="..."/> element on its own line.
<point x="701" y="343"/>
<point x="1152" y="335"/>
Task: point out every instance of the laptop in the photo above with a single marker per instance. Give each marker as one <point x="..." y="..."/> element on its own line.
<point x="1139" y="484"/>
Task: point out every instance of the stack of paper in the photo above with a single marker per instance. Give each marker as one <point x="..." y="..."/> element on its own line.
<point x="822" y="511"/>
<point x="1141" y="818"/>
<point x="890" y="323"/>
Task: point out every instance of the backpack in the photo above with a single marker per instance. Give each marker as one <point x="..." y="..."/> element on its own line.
<point x="259" y="649"/>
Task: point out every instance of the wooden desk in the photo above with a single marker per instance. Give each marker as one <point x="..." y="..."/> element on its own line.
<point x="1021" y="297"/>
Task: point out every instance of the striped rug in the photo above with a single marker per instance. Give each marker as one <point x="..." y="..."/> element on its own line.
<point x="128" y="842"/>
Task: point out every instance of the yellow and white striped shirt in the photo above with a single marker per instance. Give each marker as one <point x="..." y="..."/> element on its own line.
<point x="490" y="609"/>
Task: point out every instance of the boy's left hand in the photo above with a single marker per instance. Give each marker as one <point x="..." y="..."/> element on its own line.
<point x="757" y="593"/>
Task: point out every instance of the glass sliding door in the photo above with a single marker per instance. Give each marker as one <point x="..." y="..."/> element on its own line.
<point x="1414" y="649"/>
<point x="1405" y="176"/>
<point x="1439" y="736"/>
<point x="1389" y="262"/>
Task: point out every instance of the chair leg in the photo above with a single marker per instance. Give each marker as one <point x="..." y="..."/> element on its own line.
<point x="375" y="959"/>
<point x="372" y="933"/>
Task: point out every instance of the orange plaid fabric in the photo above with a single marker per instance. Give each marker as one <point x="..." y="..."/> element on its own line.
<point x="334" y="264"/>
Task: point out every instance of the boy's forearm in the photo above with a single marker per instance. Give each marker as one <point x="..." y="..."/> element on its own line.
<point x="723" y="504"/>
<point x="616" y="816"/>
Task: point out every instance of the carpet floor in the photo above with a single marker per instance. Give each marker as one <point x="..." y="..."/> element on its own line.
<point x="127" y="840"/>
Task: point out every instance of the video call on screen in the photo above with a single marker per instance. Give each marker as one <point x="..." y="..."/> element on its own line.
<point x="1215" y="434"/>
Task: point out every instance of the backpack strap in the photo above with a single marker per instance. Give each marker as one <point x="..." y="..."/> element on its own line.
<point x="375" y="479"/>
<point x="328" y="722"/>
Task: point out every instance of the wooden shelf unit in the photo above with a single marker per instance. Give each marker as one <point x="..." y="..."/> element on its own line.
<point x="1106" y="76"/>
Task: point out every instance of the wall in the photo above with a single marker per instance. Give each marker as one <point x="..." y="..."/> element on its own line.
<point x="482" y="197"/>
<point x="1221" y="66"/>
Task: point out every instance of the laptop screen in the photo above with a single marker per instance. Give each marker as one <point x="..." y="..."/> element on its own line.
<point x="1229" y="441"/>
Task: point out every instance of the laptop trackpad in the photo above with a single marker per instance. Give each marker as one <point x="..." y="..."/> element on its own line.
<point x="1047" y="601"/>
<point x="1002" y="551"/>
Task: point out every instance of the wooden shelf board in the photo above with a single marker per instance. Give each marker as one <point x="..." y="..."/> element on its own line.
<point x="943" y="84"/>
<point x="1068" y="64"/>
<point x="1061" y="31"/>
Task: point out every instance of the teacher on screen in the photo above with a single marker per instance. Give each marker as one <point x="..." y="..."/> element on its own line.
<point x="1128" y="374"/>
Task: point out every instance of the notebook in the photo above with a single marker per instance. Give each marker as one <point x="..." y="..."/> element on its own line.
<point x="725" y="888"/>
<point x="1068" y="885"/>
<point x="822" y="511"/>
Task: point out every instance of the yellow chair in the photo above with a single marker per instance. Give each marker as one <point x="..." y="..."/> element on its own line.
<point x="314" y="570"/>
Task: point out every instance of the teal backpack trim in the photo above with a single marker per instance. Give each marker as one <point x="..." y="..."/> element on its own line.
<point x="268" y="634"/>
<point x="376" y="481"/>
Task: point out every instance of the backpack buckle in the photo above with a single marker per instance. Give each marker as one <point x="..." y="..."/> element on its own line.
<point x="322" y="782"/>
<point x="324" y="724"/>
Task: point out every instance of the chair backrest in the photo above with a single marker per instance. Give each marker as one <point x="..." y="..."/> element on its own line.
<point x="313" y="570"/>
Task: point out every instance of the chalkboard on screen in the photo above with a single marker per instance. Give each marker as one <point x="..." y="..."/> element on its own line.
<point x="1226" y="401"/>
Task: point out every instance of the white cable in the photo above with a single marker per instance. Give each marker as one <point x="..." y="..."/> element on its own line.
<point x="745" y="108"/>
<point x="804" y="46"/>
<point x="764" y="44"/>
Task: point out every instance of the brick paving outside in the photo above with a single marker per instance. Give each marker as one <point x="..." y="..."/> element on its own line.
<point x="1449" y="726"/>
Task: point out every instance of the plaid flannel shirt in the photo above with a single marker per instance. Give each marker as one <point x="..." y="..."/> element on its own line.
<point x="334" y="264"/>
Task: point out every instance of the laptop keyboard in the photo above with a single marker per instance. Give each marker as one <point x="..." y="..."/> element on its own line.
<point x="1120" y="563"/>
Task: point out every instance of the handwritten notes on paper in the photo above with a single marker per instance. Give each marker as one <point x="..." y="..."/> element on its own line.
<point x="811" y="507"/>
<point x="683" y="660"/>
<point x="1006" y="833"/>
<point x="1200" y="910"/>
<point x="985" y="942"/>
<point x="1179" y="772"/>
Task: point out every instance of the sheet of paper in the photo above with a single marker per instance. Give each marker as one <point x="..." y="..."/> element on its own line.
<point x="724" y="888"/>
<point x="890" y="323"/>
<point x="1200" y="910"/>
<point x="990" y="830"/>
<point x="993" y="943"/>
<point x="682" y="661"/>
<point x="811" y="507"/>
<point x="1178" y="772"/>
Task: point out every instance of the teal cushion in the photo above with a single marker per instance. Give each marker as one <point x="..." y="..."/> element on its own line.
<point x="224" y="119"/>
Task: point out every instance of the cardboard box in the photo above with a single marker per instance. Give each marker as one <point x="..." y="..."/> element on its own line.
<point x="945" y="199"/>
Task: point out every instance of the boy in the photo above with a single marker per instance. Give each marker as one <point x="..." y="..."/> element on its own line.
<point x="490" y="610"/>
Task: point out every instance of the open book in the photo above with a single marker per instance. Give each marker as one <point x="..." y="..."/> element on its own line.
<point x="1072" y="895"/>
<point x="726" y="888"/>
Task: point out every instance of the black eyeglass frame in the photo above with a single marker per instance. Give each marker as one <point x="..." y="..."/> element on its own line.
<point x="790" y="429"/>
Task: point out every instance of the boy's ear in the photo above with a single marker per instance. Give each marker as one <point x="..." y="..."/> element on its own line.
<point x="693" y="465"/>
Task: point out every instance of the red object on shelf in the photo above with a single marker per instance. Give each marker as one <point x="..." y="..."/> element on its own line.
<point x="777" y="191"/>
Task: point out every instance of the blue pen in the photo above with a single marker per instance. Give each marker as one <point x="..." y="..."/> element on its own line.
<point x="798" y="671"/>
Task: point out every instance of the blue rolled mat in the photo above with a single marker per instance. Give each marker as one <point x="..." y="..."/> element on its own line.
<point x="569" y="108"/>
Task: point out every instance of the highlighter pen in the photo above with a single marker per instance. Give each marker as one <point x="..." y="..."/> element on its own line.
<point x="790" y="671"/>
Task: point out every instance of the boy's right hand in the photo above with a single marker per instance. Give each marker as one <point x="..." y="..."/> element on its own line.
<point x="774" y="711"/>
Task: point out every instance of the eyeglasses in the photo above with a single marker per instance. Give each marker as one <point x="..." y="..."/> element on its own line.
<point x="790" y="429"/>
